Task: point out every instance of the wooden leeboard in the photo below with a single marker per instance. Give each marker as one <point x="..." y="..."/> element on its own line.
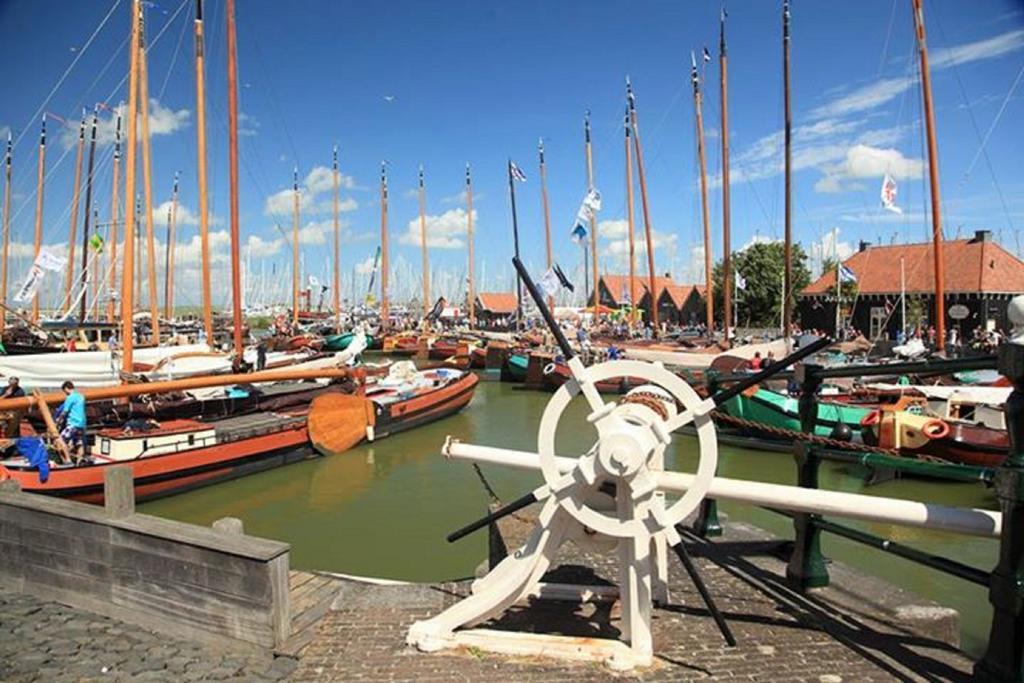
<point x="337" y="422"/>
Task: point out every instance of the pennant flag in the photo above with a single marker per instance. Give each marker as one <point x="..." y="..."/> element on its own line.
<point x="516" y="172"/>
<point x="888" y="193"/>
<point x="846" y="275"/>
<point x="741" y="282"/>
<point x="563" y="279"/>
<point x="549" y="284"/>
<point x="579" y="233"/>
<point x="587" y="212"/>
<point x="707" y="55"/>
<point x="96" y="242"/>
<point x="373" y="273"/>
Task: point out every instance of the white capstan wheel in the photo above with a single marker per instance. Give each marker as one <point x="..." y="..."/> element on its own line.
<point x="624" y="451"/>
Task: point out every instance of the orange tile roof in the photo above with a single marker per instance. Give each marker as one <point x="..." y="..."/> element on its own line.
<point x="497" y="302"/>
<point x="970" y="266"/>
<point x="618" y="286"/>
<point x="680" y="293"/>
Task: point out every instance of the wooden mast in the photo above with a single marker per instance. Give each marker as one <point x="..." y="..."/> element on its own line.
<point x="236" y="239"/>
<point x="723" y="64"/>
<point x="787" y="282"/>
<point x="933" y="179"/>
<point x="7" y="230"/>
<point x="128" y="259"/>
<point x="648" y="230"/>
<point x="114" y="210"/>
<point x="204" y="211"/>
<point x="547" y="212"/>
<point x="471" y="290"/>
<point x="385" y="312"/>
<point x="709" y="299"/>
<point x="38" y="243"/>
<point x="69" y="276"/>
<point x="336" y="285"/>
<point x="593" y="219"/>
<point x="423" y="244"/>
<point x="83" y="308"/>
<point x="172" y="243"/>
<point x="295" y="246"/>
<point x="633" y="303"/>
<point x="147" y="188"/>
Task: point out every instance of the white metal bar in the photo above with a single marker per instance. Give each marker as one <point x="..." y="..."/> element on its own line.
<point x="970" y="521"/>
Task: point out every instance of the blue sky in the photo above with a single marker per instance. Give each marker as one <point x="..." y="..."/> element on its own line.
<point x="478" y="82"/>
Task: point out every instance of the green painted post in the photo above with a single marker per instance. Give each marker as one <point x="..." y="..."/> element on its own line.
<point x="806" y="568"/>
<point x="707" y="524"/>
<point x="1004" y="657"/>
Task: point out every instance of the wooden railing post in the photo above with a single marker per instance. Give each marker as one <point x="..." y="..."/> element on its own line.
<point x="806" y="568"/>
<point x="1004" y="656"/>
<point x="707" y="524"/>
<point x="119" y="491"/>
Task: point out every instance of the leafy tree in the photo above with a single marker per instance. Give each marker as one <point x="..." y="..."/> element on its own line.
<point x="762" y="265"/>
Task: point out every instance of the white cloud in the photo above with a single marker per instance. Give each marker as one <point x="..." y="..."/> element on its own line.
<point x="864" y="161"/>
<point x="365" y="266"/>
<point x="184" y="215"/>
<point x="258" y="247"/>
<point x="829" y="246"/>
<point x="317" y="182"/>
<point x="987" y="48"/>
<point x="444" y="231"/>
<point x="162" y="121"/>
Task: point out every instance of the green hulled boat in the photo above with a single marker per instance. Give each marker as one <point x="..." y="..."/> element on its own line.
<point x="773" y="409"/>
<point x="514" y="368"/>
<point x="340" y="342"/>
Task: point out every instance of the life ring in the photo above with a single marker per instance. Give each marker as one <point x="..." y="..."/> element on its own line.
<point x="549" y="368"/>
<point x="935" y="429"/>
<point x="871" y="419"/>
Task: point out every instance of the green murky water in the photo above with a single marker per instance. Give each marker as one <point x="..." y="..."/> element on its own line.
<point x="383" y="509"/>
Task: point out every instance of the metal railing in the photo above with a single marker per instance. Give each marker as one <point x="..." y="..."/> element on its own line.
<point x="1004" y="656"/>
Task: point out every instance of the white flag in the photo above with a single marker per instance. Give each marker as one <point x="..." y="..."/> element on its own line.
<point x="589" y="207"/>
<point x="45" y="261"/>
<point x="741" y="282"/>
<point x="550" y="283"/>
<point x="889" y="194"/>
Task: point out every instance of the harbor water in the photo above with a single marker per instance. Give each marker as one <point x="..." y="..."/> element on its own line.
<point x="384" y="509"/>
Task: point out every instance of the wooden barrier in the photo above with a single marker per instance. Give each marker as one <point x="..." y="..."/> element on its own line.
<point x="214" y="586"/>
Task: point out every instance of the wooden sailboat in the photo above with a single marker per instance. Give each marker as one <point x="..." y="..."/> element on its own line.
<point x="172" y="243"/>
<point x="86" y="277"/>
<point x="204" y="207"/>
<point x="648" y="229"/>
<point x="336" y="284"/>
<point x="547" y="212"/>
<point x="69" y="279"/>
<point x="38" y="243"/>
<point x="423" y="245"/>
<point x="470" y="289"/>
<point x="787" y="282"/>
<point x="709" y="299"/>
<point x="723" y="63"/>
<point x="6" y="230"/>
<point x="147" y="187"/>
<point x="634" y="301"/>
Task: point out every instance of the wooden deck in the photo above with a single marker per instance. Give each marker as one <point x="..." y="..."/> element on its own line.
<point x="311" y="596"/>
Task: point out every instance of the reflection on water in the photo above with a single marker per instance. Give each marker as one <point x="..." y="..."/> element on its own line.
<point x="384" y="509"/>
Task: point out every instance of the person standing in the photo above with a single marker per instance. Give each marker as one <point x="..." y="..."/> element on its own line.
<point x="71" y="414"/>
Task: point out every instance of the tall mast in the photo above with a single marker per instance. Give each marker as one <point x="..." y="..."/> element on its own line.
<point x="172" y="244"/>
<point x="147" y="189"/>
<point x="709" y="299"/>
<point x="423" y="245"/>
<point x="88" y="215"/>
<point x="114" y="210"/>
<point x="593" y="219"/>
<point x="204" y="210"/>
<point x="547" y="212"/>
<point x="337" y="244"/>
<point x="236" y="238"/>
<point x="787" y="282"/>
<point x="470" y="291"/>
<point x="69" y="277"/>
<point x="128" y="260"/>
<point x="723" y="64"/>
<point x="384" y="309"/>
<point x="933" y="179"/>
<point x="7" y="230"/>
<point x="630" y="222"/>
<point x="515" y="244"/>
<point x="648" y="230"/>
<point x="295" y="246"/>
<point x="38" y="244"/>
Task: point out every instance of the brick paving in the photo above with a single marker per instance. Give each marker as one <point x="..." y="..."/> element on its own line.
<point x="47" y="641"/>
<point x="826" y="637"/>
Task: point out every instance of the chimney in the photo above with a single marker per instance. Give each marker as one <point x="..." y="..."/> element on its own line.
<point x="982" y="236"/>
<point x="863" y="245"/>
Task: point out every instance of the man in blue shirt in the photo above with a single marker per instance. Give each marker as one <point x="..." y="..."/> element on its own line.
<point x="72" y="414"/>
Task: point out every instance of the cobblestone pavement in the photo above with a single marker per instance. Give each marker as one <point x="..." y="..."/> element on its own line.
<point x="782" y="635"/>
<point x="47" y="641"/>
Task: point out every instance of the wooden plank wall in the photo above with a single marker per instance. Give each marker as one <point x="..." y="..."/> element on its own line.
<point x="185" y="580"/>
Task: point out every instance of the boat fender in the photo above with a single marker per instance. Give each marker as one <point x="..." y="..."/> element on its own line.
<point x="842" y="432"/>
<point x="935" y="429"/>
<point x="549" y="368"/>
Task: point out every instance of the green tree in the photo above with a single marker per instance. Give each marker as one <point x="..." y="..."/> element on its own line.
<point x="762" y="266"/>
